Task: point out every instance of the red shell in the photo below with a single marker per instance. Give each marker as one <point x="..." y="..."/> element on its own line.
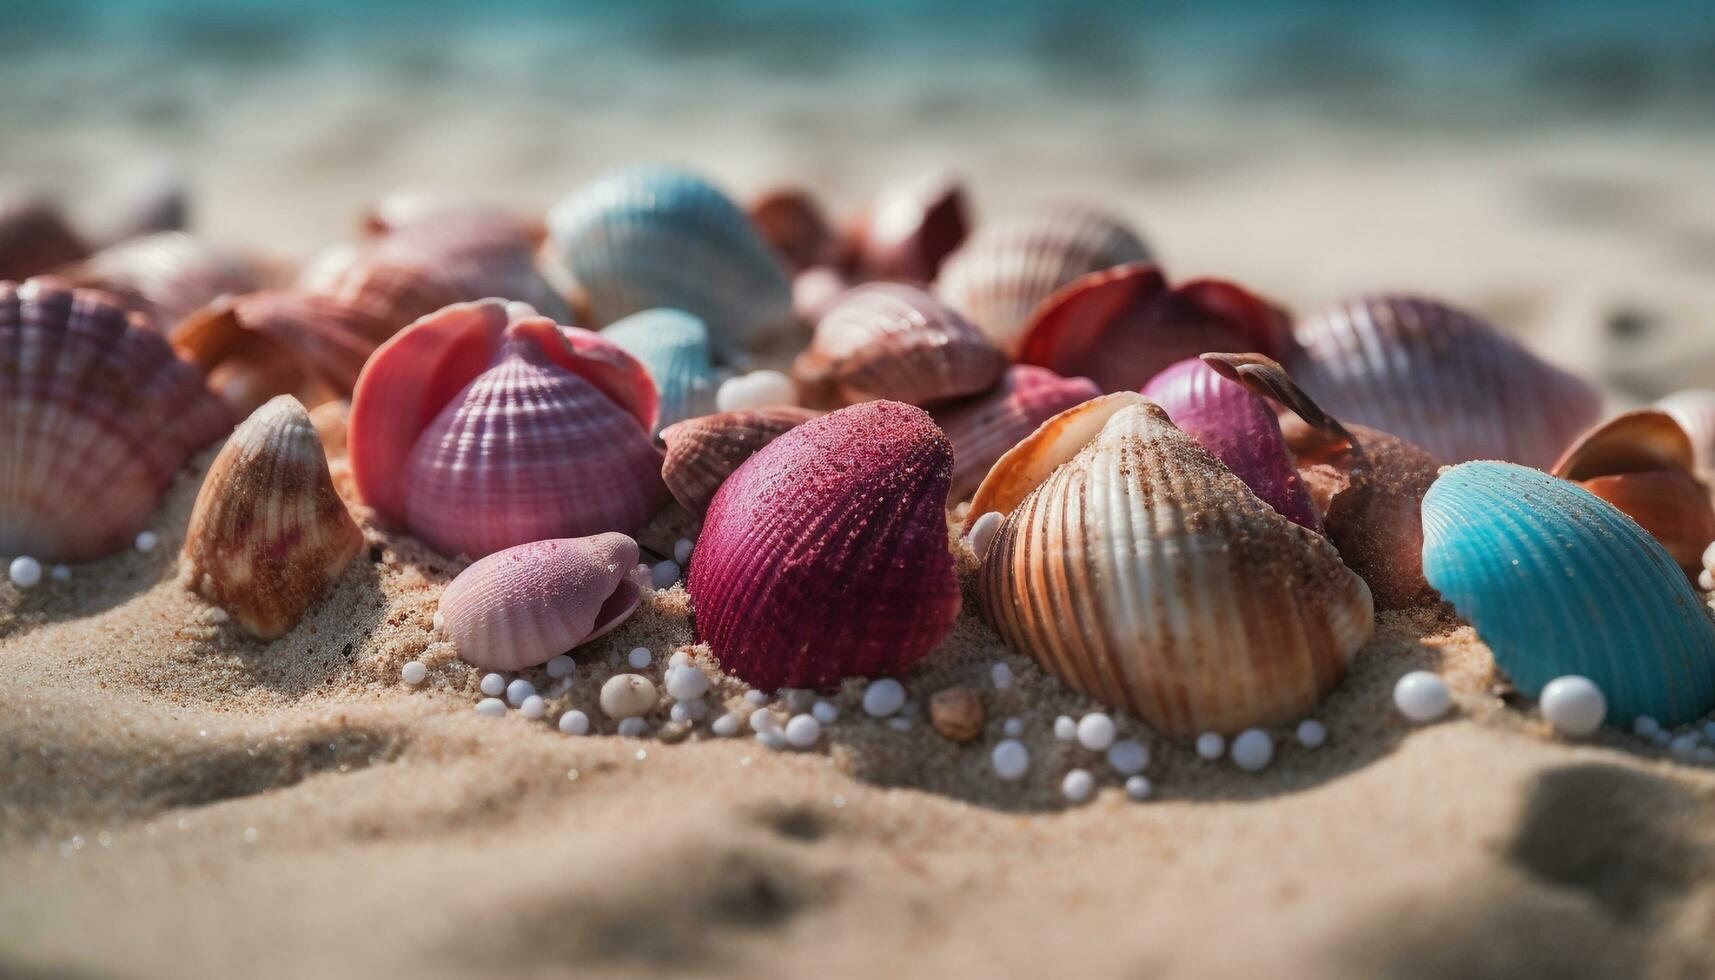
<point x="1122" y="326"/>
<point x="910" y="227"/>
<point x="826" y="555"/>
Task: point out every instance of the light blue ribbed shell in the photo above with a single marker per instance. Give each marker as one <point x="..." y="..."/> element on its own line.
<point x="650" y="237"/>
<point x="674" y="346"/>
<point x="1557" y="581"/>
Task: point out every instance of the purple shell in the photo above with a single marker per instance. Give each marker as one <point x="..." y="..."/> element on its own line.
<point x="1240" y="428"/>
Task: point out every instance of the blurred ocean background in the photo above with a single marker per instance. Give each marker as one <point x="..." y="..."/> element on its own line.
<point x="1551" y="161"/>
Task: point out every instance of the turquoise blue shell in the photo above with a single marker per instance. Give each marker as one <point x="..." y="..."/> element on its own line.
<point x="650" y="237"/>
<point x="674" y="346"/>
<point x="1557" y="581"/>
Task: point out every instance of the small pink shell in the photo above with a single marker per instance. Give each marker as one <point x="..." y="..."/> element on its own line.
<point x="983" y="427"/>
<point x="891" y="341"/>
<point x="826" y="555"/>
<point x="527" y="604"/>
<point x="1240" y="429"/>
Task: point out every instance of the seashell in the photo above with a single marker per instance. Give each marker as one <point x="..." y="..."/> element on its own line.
<point x="524" y="605"/>
<point x="815" y="290"/>
<point x="648" y="237"/>
<point x="96" y="416"/>
<point x="897" y="342"/>
<point x="1442" y="378"/>
<point x="35" y="238"/>
<point x="1122" y="326"/>
<point x="983" y="427"/>
<point x="826" y="554"/>
<point x="1557" y="581"/>
<point x="485" y="426"/>
<point x="703" y="452"/>
<point x="789" y="219"/>
<point x="1641" y="462"/>
<point x="169" y="275"/>
<point x="674" y="346"/>
<point x="269" y="533"/>
<point x="1694" y="409"/>
<point x="1141" y="571"/>
<point x="1367" y="485"/>
<point x="1240" y="429"/>
<point x="409" y="210"/>
<point x="1007" y="268"/>
<point x="910" y="228"/>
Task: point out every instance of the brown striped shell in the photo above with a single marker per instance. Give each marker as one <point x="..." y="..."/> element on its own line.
<point x="703" y="452"/>
<point x="892" y="341"/>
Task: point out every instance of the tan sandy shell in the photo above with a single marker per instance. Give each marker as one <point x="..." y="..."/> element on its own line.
<point x="887" y="340"/>
<point x="269" y="533"/>
<point x="1141" y="571"/>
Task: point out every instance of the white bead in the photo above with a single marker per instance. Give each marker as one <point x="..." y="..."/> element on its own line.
<point x="899" y="724"/>
<point x="561" y="666"/>
<point x="1010" y="759"/>
<point x="1078" y="785"/>
<point x="1422" y="696"/>
<point x="575" y="722"/>
<point x="1253" y="749"/>
<point x="726" y="726"/>
<point x="639" y="658"/>
<point x="982" y="532"/>
<point x="686" y="682"/>
<point x="825" y="712"/>
<point x="664" y="574"/>
<point x="414" y="672"/>
<point x="491" y="707"/>
<point x="1065" y="728"/>
<point x="1129" y="757"/>
<point x="1013" y="727"/>
<point x="1311" y="734"/>
<point x="883" y="697"/>
<point x="25" y="572"/>
<point x="533" y="707"/>
<point x="518" y="690"/>
<point x="758" y="389"/>
<point x="1139" y="787"/>
<point x="1644" y="726"/>
<point x="1211" y="746"/>
<point x="682" y="551"/>
<point x="1001" y="675"/>
<point x="772" y="739"/>
<point x="763" y="720"/>
<point x="755" y="699"/>
<point x="1706" y="581"/>
<point x="1574" y="705"/>
<point x="693" y="710"/>
<point x="633" y="727"/>
<point x="147" y="541"/>
<point x="493" y="685"/>
<point x="628" y="695"/>
<point x="803" y="731"/>
<point x="1096" y="731"/>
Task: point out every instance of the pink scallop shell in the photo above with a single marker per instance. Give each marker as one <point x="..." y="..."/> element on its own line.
<point x="826" y="555"/>
<point x="524" y="605"/>
<point x="983" y="427"/>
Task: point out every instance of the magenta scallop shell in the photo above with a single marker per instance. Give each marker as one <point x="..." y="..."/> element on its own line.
<point x="96" y="415"/>
<point x="477" y="431"/>
<point x="1442" y="378"/>
<point x="983" y="427"/>
<point x="826" y="554"/>
<point x="527" y="604"/>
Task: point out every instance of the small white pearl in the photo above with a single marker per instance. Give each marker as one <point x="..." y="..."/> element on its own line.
<point x="726" y="726"/>
<point x="1211" y="746"/>
<point x="684" y="711"/>
<point x="1078" y="785"/>
<point x="493" y="685"/>
<point x="1010" y="759"/>
<point x="664" y="574"/>
<point x="1311" y="734"/>
<point x="628" y="695"/>
<point x="575" y="722"/>
<point x="1096" y="731"/>
<point x="633" y="727"/>
<point x="414" y="672"/>
<point x="686" y="682"/>
<point x="61" y="573"/>
<point x="825" y="712"/>
<point x="772" y="738"/>
<point x="758" y="389"/>
<point x="755" y="699"/>
<point x="763" y="720"/>
<point x="1422" y="696"/>
<point x="518" y="690"/>
<point x="1065" y="728"/>
<point x="25" y="572"/>
<point x="1139" y="787"/>
<point x="1013" y="727"/>
<point x="883" y="697"/>
<point x="147" y="541"/>
<point x="1706" y="581"/>
<point x="1574" y="705"/>
<point x="1644" y="726"/>
<point x="982" y="532"/>
<point x="491" y="707"/>
<point x="639" y="658"/>
<point x="561" y="666"/>
<point x="682" y="551"/>
<point x="1129" y="757"/>
<point x="534" y="707"/>
<point x="1253" y="749"/>
<point x="899" y="724"/>
<point x="1001" y="675"/>
<point x="803" y="731"/>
